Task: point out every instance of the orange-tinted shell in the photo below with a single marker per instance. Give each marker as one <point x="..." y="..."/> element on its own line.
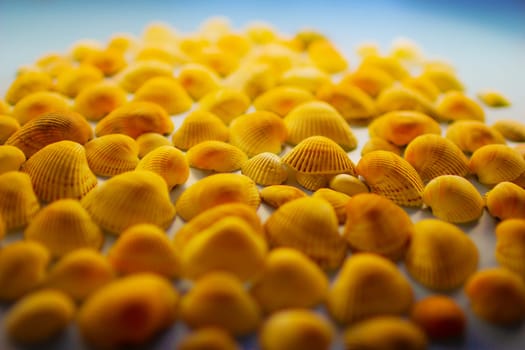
<point x="265" y="169"/>
<point x="277" y="195"/>
<point x="493" y="164"/>
<point x="506" y="200"/>
<point x="11" y="158"/>
<point x="400" y="98"/>
<point x="369" y="79"/>
<point x="18" y="201"/>
<point x="199" y="126"/>
<point x="455" y="105"/>
<point x="168" y="162"/>
<point x="512" y="130"/>
<point x="282" y="99"/>
<point x="112" y="154"/>
<point x="510" y="245"/>
<point x="469" y="135"/>
<point x="379" y="144"/>
<point x="216" y="156"/>
<point x="8" y="126"/>
<point x="350" y="101"/>
<point x="149" y="141"/>
<point x="326" y="56"/>
<point x="167" y="92"/>
<point x="338" y="200"/>
<point x="225" y="103"/>
<point x="73" y="80"/>
<point x="97" y="100"/>
<point x="26" y="84"/>
<point x="198" y="80"/>
<point x="135" y="75"/>
<point x="439" y="316"/>
<point x="38" y="103"/>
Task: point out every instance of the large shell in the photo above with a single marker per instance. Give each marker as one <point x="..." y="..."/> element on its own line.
<point x="199" y="126"/>
<point x="469" y="135"/>
<point x="277" y="195"/>
<point x="439" y="316"/>
<point x="348" y="184"/>
<point x="379" y="144"/>
<point x="130" y="198"/>
<point x="440" y="255"/>
<point x="167" y="92"/>
<point x="265" y="169"/>
<point x="455" y="105"/>
<point x="326" y="56"/>
<point x="198" y="80"/>
<point x="400" y="98"/>
<point x="368" y="285"/>
<point x="168" y="162"/>
<point x="216" y="156"/>
<point x="282" y="99"/>
<point x="310" y="226"/>
<point x="18" y="201"/>
<point x="350" y="101"/>
<point x="493" y="164"/>
<point x="149" y="141"/>
<point x="112" y="154"/>
<point x="26" y="84"/>
<point x="338" y="200"/>
<point x="37" y="104"/>
<point x="506" y="200"/>
<point x="11" y="158"/>
<point x="512" y="130"/>
<point x="510" y="245"/>
<point x="8" y="126"/>
<point x="391" y="176"/>
<point x="97" y="100"/>
<point x="208" y="338"/>
<point x="214" y="190"/>
<point x="225" y="103"/>
<point x="134" y="75"/>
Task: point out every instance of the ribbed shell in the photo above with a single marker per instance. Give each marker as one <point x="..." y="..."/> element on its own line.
<point x="469" y="135"/>
<point x="379" y="144"/>
<point x="312" y="182"/>
<point x="168" y="162"/>
<point x="337" y="200"/>
<point x="11" y="158"/>
<point x="112" y="154"/>
<point x="370" y="79"/>
<point x="216" y="156"/>
<point x="34" y="105"/>
<point x="26" y="84"/>
<point x="506" y="200"/>
<point x="277" y="195"/>
<point x="199" y="126"/>
<point x="149" y="141"/>
<point x="18" y="201"/>
<point x="282" y="99"/>
<point x="198" y="79"/>
<point x="97" y="100"/>
<point x="496" y="163"/>
<point x="265" y="169"/>
<point x="510" y="245"/>
<point x="350" y="101"/>
<point x="225" y="103"/>
<point x="400" y="98"/>
<point x="455" y="105"/>
<point x="167" y="92"/>
<point x="512" y="130"/>
<point x="348" y="184"/>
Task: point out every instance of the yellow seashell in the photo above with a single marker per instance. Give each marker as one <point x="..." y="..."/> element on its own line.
<point x="278" y="56"/>
<point x="370" y="79"/>
<point x="2" y="227"/>
<point x="368" y="285"/>
<point x="497" y="295"/>
<point x="98" y="100"/>
<point x="277" y="195"/>
<point x="258" y="132"/>
<point x="39" y="316"/>
<point x="130" y="198"/>
<point x="443" y="77"/>
<point x="512" y="130"/>
<point x="306" y="36"/>
<point x="236" y="43"/>
<point x="198" y="80"/>
<point x="222" y="62"/>
<point x="11" y="158"/>
<point x="218" y="299"/>
<point x="53" y="63"/>
<point x="493" y="98"/>
<point x="37" y="104"/>
<point x="252" y="79"/>
<point x="520" y="147"/>
<point x="161" y="52"/>
<point x="168" y="162"/>
<point x="391" y="176"/>
<point x="18" y="201"/>
<point x="214" y="190"/>
<point x="454" y="199"/>
<point x="310" y="226"/>
<point x="282" y="99"/>
<point x="199" y="126"/>
<point x="401" y="98"/>
<point x="149" y="141"/>
<point x="348" y="184"/>
<point x="375" y="224"/>
<point x="308" y="78"/>
<point x="108" y="61"/>
<point x="167" y="92"/>
<point x="312" y="182"/>
<point x="122" y="42"/>
<point x="134" y="119"/>
<point x="439" y="316"/>
<point x="289" y="280"/>
<point x="326" y="56"/>
<point x="424" y="86"/>
<point x="401" y="127"/>
<point x="8" y="126"/>
<point x="318" y="118"/>
<point x="73" y="80"/>
<point x="217" y="156"/>
<point x="26" y="84"/>
<point x="379" y="144"/>
<point x="493" y="164"/>
<point x="208" y="338"/>
<point x="265" y="169"/>
<point x="455" y="105"/>
<point x="112" y="154"/>
<point x="64" y="226"/>
<point x="350" y="101"/>
<point x="389" y="65"/>
<point x="129" y="311"/>
<point x="156" y="32"/>
<point x="440" y="255"/>
<point x="260" y="32"/>
<point x="80" y="273"/>
<point x="23" y="267"/>
<point x="132" y="77"/>
<point x="469" y="135"/>
<point x="337" y="199"/>
<point x="506" y="200"/>
<point x="225" y="103"/>
<point x="84" y="47"/>
<point x="510" y="245"/>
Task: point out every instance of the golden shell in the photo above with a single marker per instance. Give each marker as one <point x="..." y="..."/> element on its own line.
<point x="216" y="156"/>
<point x="18" y="201"/>
<point x="108" y="61"/>
<point x="512" y="130"/>
<point x="168" y="162"/>
<point x="390" y="65"/>
<point x="97" y="100"/>
<point x="368" y="285"/>
<point x="493" y="98"/>
<point x="277" y="195"/>
<point x="391" y="176"/>
<point x="149" y="141"/>
<point x="167" y="92"/>
<point x="252" y="79"/>
<point x="369" y="79"/>
<point x="282" y="99"/>
<point x="443" y="77"/>
<point x="208" y="338"/>
<point x="338" y="200"/>
<point x="26" y="84"/>
<point x="198" y="80"/>
<point x="265" y="169"/>
<point x="37" y="104"/>
<point x="112" y="154"/>
<point x="225" y="103"/>
<point x="439" y="317"/>
<point x="424" y="86"/>
<point x="455" y="105"/>
<point x="469" y="135"/>
<point x="401" y="98"/>
<point x="506" y="200"/>
<point x="510" y="245"/>
<point x="326" y="56"/>
<point x="493" y="164"/>
<point x="136" y="74"/>
<point x="312" y="182"/>
<point x="350" y="101"/>
<point x="348" y="184"/>
<point x="305" y="77"/>
<point x="8" y="126"/>
<point x="310" y="226"/>
<point x="73" y="80"/>
<point x="440" y="256"/>
<point x="199" y="126"/>
<point x="375" y="224"/>
<point x="379" y="144"/>
<point x="128" y="199"/>
<point x="11" y="158"/>
<point x="2" y="227"/>
<point x="214" y="190"/>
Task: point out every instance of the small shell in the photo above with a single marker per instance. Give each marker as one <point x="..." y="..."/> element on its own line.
<point x="348" y="184"/>
<point x="497" y="295"/>
<point x="11" y="158"/>
<point x="167" y="92"/>
<point x="338" y="200"/>
<point x="208" y="338"/>
<point x="510" y="245"/>
<point x="306" y="36"/>
<point x="379" y="144"/>
<point x="225" y="103"/>
<point x="216" y="156"/>
<point x="350" y="101"/>
<point x="112" y="154"/>
<point x="149" y="141"/>
<point x="368" y="285"/>
<point x="277" y="195"/>
<point x="222" y="62"/>
<point x="512" y="130"/>
<point x="439" y="317"/>
<point x="252" y="79"/>
<point x="97" y="100"/>
<point x="391" y="176"/>
<point x="168" y="162"/>
<point x="136" y="74"/>
<point x="369" y="79"/>
<point x="375" y="224"/>
<point x="162" y="52"/>
<point x="455" y="105"/>
<point x="520" y="147"/>
<point x="26" y="84"/>
<point x="128" y="199"/>
<point x="493" y="164"/>
<point x="400" y="98"/>
<point x="506" y="200"/>
<point x="424" y="86"/>
<point x="493" y="98"/>
<point x="388" y="64"/>
<point x="443" y="77"/>
<point x="198" y="80"/>
<point x="265" y="169"/>
<point x="8" y="126"/>
<point x="469" y="135"/>
<point x="108" y="61"/>
<point x="308" y="78"/>
<point x="312" y="182"/>
<point x="310" y="226"/>
<point x="73" y="80"/>
<point x="440" y="255"/>
<point x="326" y="56"/>
<point x="18" y="201"/>
<point x="282" y="99"/>
<point x="218" y="299"/>
<point x="199" y="126"/>
<point x="24" y="322"/>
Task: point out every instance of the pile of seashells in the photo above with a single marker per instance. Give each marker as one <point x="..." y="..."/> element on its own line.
<point x="89" y="151"/>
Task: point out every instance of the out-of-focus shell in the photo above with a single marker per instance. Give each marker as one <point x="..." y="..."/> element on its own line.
<point x="310" y="226"/>
<point x="149" y="141"/>
<point x="375" y="224"/>
<point x="350" y="101"/>
<point x="108" y="61"/>
<point x="348" y="184"/>
<point x="439" y="316"/>
<point x="368" y="285"/>
<point x="308" y="78"/>
<point x="326" y="56"/>
<point x="208" y="338"/>
<point x="222" y="62"/>
<point x="214" y="190"/>
<point x="493" y="99"/>
<point x="443" y="77"/>
<point x="73" y="80"/>
<point x="510" y="245"/>
<point x="11" y="158"/>
<point x="168" y="162"/>
<point x="455" y="105"/>
<point x="400" y="98"/>
<point x="18" y="201"/>
<point x="369" y="79"/>
<point x="440" y="256"/>
<point x="134" y="119"/>
<point x="167" y="92"/>
<point x="216" y="156"/>
<point x="497" y="295"/>
<point x="38" y="103"/>
<point x="97" y="100"/>
<point x="277" y="195"/>
<point x="282" y="99"/>
<point x="424" y="86"/>
<point x="5" y="109"/>
<point x="338" y="200"/>
<point x="8" y="126"/>
<point x="252" y="79"/>
<point x="379" y="144"/>
<point x="225" y="103"/>
<point x="469" y="135"/>
<point x="26" y="84"/>
<point x="60" y="170"/>
<point x="388" y="64"/>
<point x="199" y="126"/>
<point x="198" y="80"/>
<point x="512" y="130"/>
<point x="391" y="176"/>
<point x="136" y="74"/>
<point x="128" y="199"/>
<point x="219" y="299"/>
<point x="265" y="169"/>
<point x="112" y="154"/>
<point x="493" y="164"/>
<point x="506" y="200"/>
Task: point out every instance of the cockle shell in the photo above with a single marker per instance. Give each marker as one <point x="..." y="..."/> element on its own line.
<point x="198" y="80"/>
<point x="306" y="36"/>
<point x="348" y="184"/>
<point x="455" y="105"/>
<point x="391" y="176"/>
<point x="440" y="255"/>
<point x="506" y="200"/>
<point x="74" y="79"/>
<point x="310" y="226"/>
<point x="512" y="130"/>
<point x="400" y="98"/>
<point x="493" y="98"/>
<point x="388" y="64"/>
<point x="443" y="77"/>
<point x="350" y="101"/>
<point x="199" y="126"/>
<point x="37" y="104"/>
<point x="97" y="100"/>
<point x="326" y="56"/>
<point x="216" y="156"/>
<point x="8" y="126"/>
<point x="379" y="144"/>
<point x="130" y="198"/>
<point x="371" y="80"/>
<point x="208" y="338"/>
<point x="493" y="164"/>
<point x="282" y="99"/>
<point x="439" y="316"/>
<point x="277" y="195"/>
<point x="265" y="169"/>
<point x="112" y="154"/>
<point x="252" y="79"/>
<point x="222" y="62"/>
<point x="167" y="92"/>
<point x="305" y="77"/>
<point x="11" y="158"/>
<point x="18" y="201"/>
<point x="338" y="200"/>
<point x="168" y="162"/>
<point x="368" y="285"/>
<point x="469" y="135"/>
<point x="424" y="86"/>
<point x="149" y="141"/>
<point x="510" y="245"/>
<point x="108" y="61"/>
<point x="225" y="103"/>
<point x="312" y="182"/>
<point x="136" y="74"/>
<point x="26" y="84"/>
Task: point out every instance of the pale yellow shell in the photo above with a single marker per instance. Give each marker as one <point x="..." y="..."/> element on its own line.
<point x="18" y="201"/>
<point x="168" y="162"/>
<point x="37" y="104"/>
<point x="265" y="169"/>
<point x="326" y="56"/>
<point x="97" y="100"/>
<point x="455" y="105"/>
<point x="216" y="156"/>
<point x="112" y="154"/>
<point x="167" y="92"/>
<point x="469" y="135"/>
<point x="252" y="79"/>
<point x="73" y="80"/>
<point x="199" y="126"/>
<point x="348" y="184"/>
<point x="225" y="103"/>
<point x="493" y="164"/>
<point x="379" y="144"/>
<point x="506" y="200"/>
<point x="136" y="74"/>
<point x="424" y="86"/>
<point x="493" y="98"/>
<point x="443" y="77"/>
<point x="350" y="101"/>
<point x="305" y="77"/>
<point x="390" y="65"/>
<point x="338" y="200"/>
<point x="198" y="80"/>
<point x="208" y="338"/>
<point x="512" y="130"/>
<point x="400" y="98"/>
<point x="282" y="99"/>
<point x="11" y="158"/>
<point x="312" y="182"/>
<point x="370" y="79"/>
<point x="8" y="126"/>
<point x="510" y="245"/>
<point x="26" y="84"/>
<point x="277" y="195"/>
<point x="149" y="141"/>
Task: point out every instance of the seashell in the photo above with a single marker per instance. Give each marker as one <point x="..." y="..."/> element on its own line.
<point x="282" y="99"/>
<point x="312" y="182"/>
<point x="389" y="65"/>
<point x="26" y="84"/>
<point x="98" y="100"/>
<point x="455" y="105"/>
<point x="379" y="144"/>
<point x="121" y="42"/>
<point x="23" y="323"/>
<point x="337" y="199"/>
<point x="326" y="57"/>
<point x="8" y="126"/>
<point x="214" y="190"/>
<point x="144" y="248"/>
<point x="265" y="169"/>
<point x="83" y="48"/>
<point x="23" y="267"/>
<point x="149" y="141"/>
<point x="370" y="79"/>
<point x="216" y="156"/>
<point x="454" y="199"/>
<point x="510" y="245"/>
<point x="73" y="80"/>
<point x="64" y="226"/>
<point x="493" y="164"/>
<point x="318" y="118"/>
<point x="53" y="64"/>
<point x="258" y="132"/>
<point x="443" y="77"/>
<point x="208" y="338"/>
<point x="134" y="119"/>
<point x="385" y="332"/>
<point x="350" y="101"/>
<point x="167" y="92"/>
<point x="221" y="246"/>
<point x="132" y="77"/>
<point x="277" y="195"/>
<point x="512" y="130"/>
<point x="129" y="311"/>
<point x="80" y="273"/>
<point x="310" y="226"/>
<point x="506" y="200"/>
<point x="319" y="155"/>
<point x="222" y="62"/>
<point x="18" y="201"/>
<point x="225" y="103"/>
<point x="130" y="198"/>
<point x="199" y="126"/>
<point x="112" y="154"/>
<point x="218" y="299"/>
<point x="304" y="37"/>
<point x="375" y="224"/>
<point x="5" y="109"/>
<point x="439" y="317"/>
<point x="11" y="158"/>
<point x="309" y="78"/>
<point x="252" y="79"/>
<point x="238" y="44"/>
<point x="60" y="170"/>
<point x="198" y="80"/>
<point x="368" y="285"/>
<point x="348" y="184"/>
<point x="2" y="227"/>
<point x="440" y="255"/>
<point x="434" y="155"/>
<point x="261" y="32"/>
<point x="520" y="147"/>
<point x="108" y="61"/>
<point x="493" y="98"/>
<point x="50" y="128"/>
<point x="37" y="104"/>
<point x="497" y="296"/>
<point x="469" y="135"/>
<point x="162" y="52"/>
<point x="168" y="162"/>
<point x="400" y="98"/>
<point x="424" y="86"/>
<point x="391" y="176"/>
<point x="278" y="56"/>
<point x="306" y="284"/>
